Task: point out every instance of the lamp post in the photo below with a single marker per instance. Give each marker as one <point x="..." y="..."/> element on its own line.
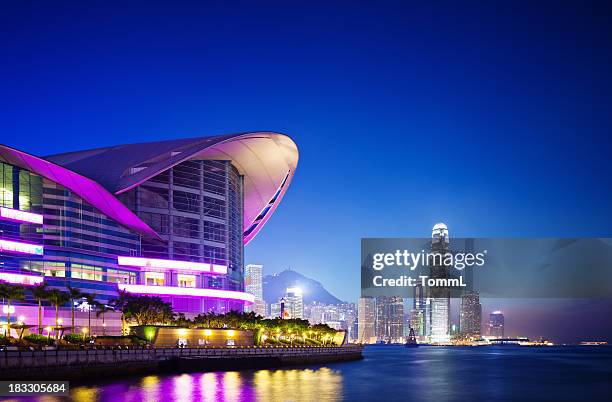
<point x="59" y="329"/>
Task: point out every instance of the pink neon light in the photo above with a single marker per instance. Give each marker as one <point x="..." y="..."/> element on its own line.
<point x="87" y="189"/>
<point x="20" y="279"/>
<point x="176" y="291"/>
<point x="20" y="216"/>
<point x="17" y="247"/>
<point x="171" y="264"/>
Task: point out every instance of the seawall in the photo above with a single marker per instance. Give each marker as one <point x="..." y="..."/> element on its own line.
<point x="88" y="364"/>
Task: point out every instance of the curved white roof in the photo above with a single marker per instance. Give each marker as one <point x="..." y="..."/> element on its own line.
<point x="267" y="160"/>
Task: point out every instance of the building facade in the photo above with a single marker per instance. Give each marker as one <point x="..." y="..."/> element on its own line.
<point x="294" y="302"/>
<point x="390" y="319"/>
<point x="496" y="324"/>
<point x="366" y="320"/>
<point x="470" y="315"/>
<point x="254" y="285"/>
<point x="168" y="218"/>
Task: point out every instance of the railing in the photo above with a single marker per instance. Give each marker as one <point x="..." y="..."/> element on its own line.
<point x="13" y="359"/>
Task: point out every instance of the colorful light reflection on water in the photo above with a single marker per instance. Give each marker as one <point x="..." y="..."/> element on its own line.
<point x="387" y="373"/>
<point x="262" y="385"/>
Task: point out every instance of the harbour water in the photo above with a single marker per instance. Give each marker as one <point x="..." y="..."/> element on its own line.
<point x="389" y="373"/>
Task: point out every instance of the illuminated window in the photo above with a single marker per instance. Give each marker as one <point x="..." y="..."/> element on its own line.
<point x="120" y="276"/>
<point x="88" y="272"/>
<point x="186" y="281"/>
<point x="155" y="278"/>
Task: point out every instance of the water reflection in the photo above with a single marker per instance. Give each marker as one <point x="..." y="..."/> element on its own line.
<point x="262" y="385"/>
<point x="298" y="385"/>
<point x="389" y="374"/>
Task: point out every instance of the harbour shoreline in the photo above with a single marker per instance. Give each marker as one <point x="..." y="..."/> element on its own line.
<point x="78" y="365"/>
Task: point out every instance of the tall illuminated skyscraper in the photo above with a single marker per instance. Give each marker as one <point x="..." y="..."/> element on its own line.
<point x="470" y="316"/>
<point x="496" y="324"/>
<point x="366" y="320"/>
<point x="418" y="314"/>
<point x="253" y="284"/>
<point x="389" y="318"/>
<point x="439" y="297"/>
<point x="294" y="303"/>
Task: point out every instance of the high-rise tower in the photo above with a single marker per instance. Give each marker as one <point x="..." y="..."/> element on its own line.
<point x="253" y="284"/>
<point x="439" y="297"/>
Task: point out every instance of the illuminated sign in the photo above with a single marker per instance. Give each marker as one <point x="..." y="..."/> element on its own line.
<point x="17" y="247"/>
<point x="20" y="279"/>
<point x="177" y="291"/>
<point x="171" y="264"/>
<point x="20" y="216"/>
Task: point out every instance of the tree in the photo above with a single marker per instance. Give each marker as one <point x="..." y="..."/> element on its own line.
<point x="119" y="303"/>
<point x="11" y="292"/>
<point x="73" y="294"/>
<point x="102" y="309"/>
<point x="147" y="310"/>
<point x="39" y="293"/>
<point x="57" y="299"/>
<point x="182" y="321"/>
<point x="91" y="302"/>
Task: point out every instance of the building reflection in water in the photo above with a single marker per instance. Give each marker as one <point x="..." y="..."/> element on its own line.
<point x="261" y="385"/>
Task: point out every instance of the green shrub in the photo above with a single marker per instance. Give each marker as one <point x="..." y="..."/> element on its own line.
<point x="5" y="340"/>
<point x="76" y="338"/>
<point x="38" y="339"/>
<point x="271" y="341"/>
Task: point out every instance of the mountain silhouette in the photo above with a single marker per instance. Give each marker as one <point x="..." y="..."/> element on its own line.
<point x="274" y="287"/>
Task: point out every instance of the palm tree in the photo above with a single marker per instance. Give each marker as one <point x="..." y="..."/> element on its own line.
<point x="101" y="309"/>
<point x="91" y="302"/>
<point x="11" y="292"/>
<point x="57" y="299"/>
<point x="73" y="294"/>
<point x="39" y="293"/>
<point x="119" y="303"/>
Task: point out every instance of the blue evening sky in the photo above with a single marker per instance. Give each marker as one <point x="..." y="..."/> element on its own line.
<point x="493" y="117"/>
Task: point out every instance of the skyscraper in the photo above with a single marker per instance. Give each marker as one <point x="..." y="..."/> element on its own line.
<point x="418" y="314"/>
<point x="470" y="316"/>
<point x="366" y="320"/>
<point x="439" y="297"/>
<point x="496" y="324"/>
<point x="294" y="304"/>
<point x="253" y="284"/>
<point x="389" y="318"/>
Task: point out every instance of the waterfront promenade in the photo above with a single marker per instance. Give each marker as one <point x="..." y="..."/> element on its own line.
<point x="87" y="363"/>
